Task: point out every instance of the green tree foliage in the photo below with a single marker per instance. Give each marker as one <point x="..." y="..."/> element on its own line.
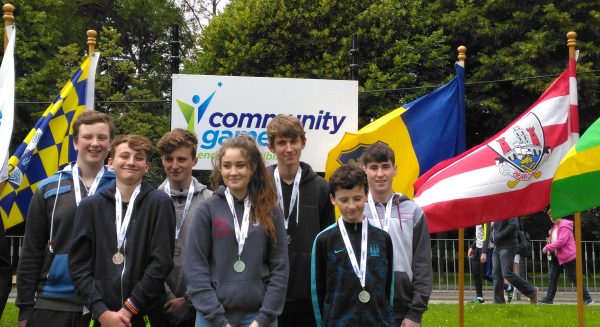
<point x="133" y="75"/>
<point x="411" y="45"/>
<point x="515" y="49"/>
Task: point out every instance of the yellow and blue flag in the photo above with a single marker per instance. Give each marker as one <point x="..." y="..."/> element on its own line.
<point x="421" y="133"/>
<point x="49" y="146"/>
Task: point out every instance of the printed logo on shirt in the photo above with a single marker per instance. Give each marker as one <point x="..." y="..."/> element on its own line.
<point x="220" y="227"/>
<point x="374" y="250"/>
<point x="339" y="251"/>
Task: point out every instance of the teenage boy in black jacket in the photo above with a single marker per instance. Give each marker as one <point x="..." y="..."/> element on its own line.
<point x="304" y="199"/>
<point x="122" y="247"/>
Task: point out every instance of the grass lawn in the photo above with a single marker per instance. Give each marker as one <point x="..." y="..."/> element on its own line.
<point x="521" y="315"/>
<point x="482" y="315"/>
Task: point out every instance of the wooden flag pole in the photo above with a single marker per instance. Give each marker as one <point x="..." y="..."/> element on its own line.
<point x="572" y="44"/>
<point x="91" y="41"/>
<point x="462" y="55"/>
<point x="9" y="19"/>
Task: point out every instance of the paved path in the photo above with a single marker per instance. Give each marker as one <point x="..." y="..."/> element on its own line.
<point x="451" y="296"/>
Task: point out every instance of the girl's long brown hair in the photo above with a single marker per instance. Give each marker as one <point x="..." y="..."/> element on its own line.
<point x="260" y="188"/>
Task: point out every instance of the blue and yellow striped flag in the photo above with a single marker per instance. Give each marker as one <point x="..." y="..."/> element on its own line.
<point x="421" y="133"/>
<point x="49" y="145"/>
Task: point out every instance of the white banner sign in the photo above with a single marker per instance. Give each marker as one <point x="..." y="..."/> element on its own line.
<point x="217" y="108"/>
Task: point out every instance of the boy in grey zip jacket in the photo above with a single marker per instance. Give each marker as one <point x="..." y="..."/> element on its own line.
<point x="405" y="221"/>
<point x="177" y="149"/>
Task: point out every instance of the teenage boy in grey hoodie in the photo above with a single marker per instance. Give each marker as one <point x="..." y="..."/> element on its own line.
<point x="405" y="222"/>
<point x="177" y="149"/>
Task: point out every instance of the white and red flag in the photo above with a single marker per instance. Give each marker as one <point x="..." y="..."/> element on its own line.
<point x="510" y="174"/>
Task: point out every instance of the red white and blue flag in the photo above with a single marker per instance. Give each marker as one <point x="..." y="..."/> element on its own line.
<point x="510" y="174"/>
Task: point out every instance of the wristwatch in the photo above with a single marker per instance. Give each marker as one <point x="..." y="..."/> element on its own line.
<point x="187" y="298"/>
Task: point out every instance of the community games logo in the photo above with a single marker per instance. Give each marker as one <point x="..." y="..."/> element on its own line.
<point x="522" y="150"/>
<point x="188" y="110"/>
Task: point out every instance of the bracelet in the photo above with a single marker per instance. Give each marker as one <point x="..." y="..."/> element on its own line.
<point x="130" y="307"/>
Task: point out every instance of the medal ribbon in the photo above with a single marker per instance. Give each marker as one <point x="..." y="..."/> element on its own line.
<point x="361" y="272"/>
<point x="240" y="233"/>
<point x="388" y="213"/>
<point x="120" y="223"/>
<point x="186" y="208"/>
<point x="294" y="199"/>
<point x="77" y="186"/>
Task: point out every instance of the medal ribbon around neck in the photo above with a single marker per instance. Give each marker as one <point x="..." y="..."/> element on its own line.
<point x="77" y="185"/>
<point x="186" y="208"/>
<point x="294" y="199"/>
<point x="360" y="271"/>
<point x="240" y="233"/>
<point x="120" y="223"/>
<point x="388" y="212"/>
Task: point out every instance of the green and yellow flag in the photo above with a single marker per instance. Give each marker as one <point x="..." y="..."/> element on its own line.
<point x="575" y="184"/>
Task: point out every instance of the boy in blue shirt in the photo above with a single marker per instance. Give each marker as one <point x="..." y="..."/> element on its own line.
<point x="352" y="262"/>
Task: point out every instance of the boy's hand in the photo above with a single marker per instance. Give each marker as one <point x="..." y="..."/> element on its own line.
<point x="254" y="324"/>
<point x="483" y="258"/>
<point x="409" y="323"/>
<point x="470" y="252"/>
<point x="112" y="318"/>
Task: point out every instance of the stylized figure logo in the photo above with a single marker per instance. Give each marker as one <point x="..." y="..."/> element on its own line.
<point x="522" y="150"/>
<point x="188" y="110"/>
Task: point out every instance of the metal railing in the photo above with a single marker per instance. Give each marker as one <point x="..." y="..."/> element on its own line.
<point x="445" y="265"/>
<point x="535" y="268"/>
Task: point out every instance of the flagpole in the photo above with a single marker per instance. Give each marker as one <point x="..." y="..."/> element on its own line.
<point x="462" y="55"/>
<point x="572" y="44"/>
<point x="91" y="41"/>
<point x="9" y="19"/>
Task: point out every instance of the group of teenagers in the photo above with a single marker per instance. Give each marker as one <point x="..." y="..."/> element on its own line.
<point x="103" y="247"/>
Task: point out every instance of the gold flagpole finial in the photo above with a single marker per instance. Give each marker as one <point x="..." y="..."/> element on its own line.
<point x="9" y="20"/>
<point x="91" y="41"/>
<point x="462" y="53"/>
<point x="572" y="43"/>
<point x="8" y="17"/>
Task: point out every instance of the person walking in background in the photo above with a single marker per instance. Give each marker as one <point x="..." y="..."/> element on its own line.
<point x="177" y="149"/>
<point x="304" y="199"/>
<point x="560" y="248"/>
<point x="477" y="254"/>
<point x="45" y="292"/>
<point x="237" y="254"/>
<point x="504" y="236"/>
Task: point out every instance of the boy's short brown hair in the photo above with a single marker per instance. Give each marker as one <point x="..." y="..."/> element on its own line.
<point x="285" y="126"/>
<point x="347" y="177"/>
<point x="90" y="117"/>
<point x="175" y="139"/>
<point x="378" y="152"/>
<point x="135" y="142"/>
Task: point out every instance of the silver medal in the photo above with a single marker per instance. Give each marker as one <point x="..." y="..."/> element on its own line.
<point x="118" y="258"/>
<point x="364" y="296"/>
<point x="239" y="266"/>
<point x="177" y="251"/>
